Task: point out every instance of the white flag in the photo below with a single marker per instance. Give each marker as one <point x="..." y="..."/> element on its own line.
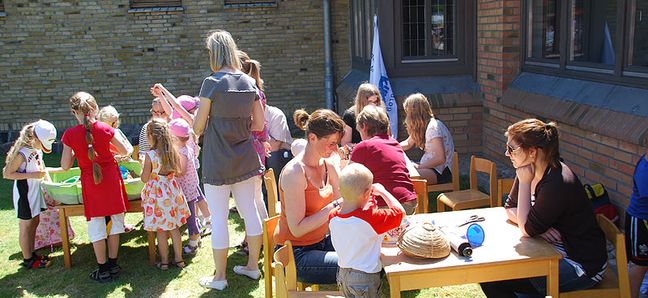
<point x="378" y="77"/>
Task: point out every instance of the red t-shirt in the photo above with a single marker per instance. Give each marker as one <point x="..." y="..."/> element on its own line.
<point x="109" y="196"/>
<point x="385" y="158"/>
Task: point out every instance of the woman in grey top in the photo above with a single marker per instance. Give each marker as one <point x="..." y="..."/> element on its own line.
<point x="229" y="110"/>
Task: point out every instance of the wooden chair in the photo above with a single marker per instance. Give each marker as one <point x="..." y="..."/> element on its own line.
<point x="503" y="188"/>
<point x="271" y="190"/>
<point x="420" y="188"/>
<point x="285" y="274"/>
<point x="454" y="184"/>
<point x="269" y="226"/>
<point x="472" y="198"/>
<point x="614" y="284"/>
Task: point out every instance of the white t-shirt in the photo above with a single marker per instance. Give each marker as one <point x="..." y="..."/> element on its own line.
<point x="436" y="129"/>
<point x="277" y="125"/>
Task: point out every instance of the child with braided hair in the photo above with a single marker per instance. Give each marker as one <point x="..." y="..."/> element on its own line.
<point x="103" y="191"/>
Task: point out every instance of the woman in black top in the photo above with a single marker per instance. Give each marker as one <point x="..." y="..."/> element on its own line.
<point x="548" y="200"/>
<point x="367" y="94"/>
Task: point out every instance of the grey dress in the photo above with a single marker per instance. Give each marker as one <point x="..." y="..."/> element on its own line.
<point x="229" y="156"/>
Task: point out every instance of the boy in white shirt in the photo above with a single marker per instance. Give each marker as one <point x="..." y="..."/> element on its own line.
<point x="356" y="227"/>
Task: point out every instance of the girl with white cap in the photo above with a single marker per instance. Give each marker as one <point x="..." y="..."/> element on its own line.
<point x="24" y="164"/>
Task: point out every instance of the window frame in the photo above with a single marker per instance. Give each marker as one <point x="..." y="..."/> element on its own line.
<point x="361" y="32"/>
<point x="461" y="63"/>
<point x="619" y="73"/>
<point x="249" y="3"/>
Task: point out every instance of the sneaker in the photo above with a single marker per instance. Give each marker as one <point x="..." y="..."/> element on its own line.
<point x="207" y="229"/>
<point x="242" y="270"/>
<point x="210" y="283"/>
<point x="36" y="263"/>
<point x="190" y="250"/>
<point x="101" y="277"/>
<point x="115" y="271"/>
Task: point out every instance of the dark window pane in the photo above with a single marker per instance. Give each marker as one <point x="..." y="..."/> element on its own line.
<point x="639" y="48"/>
<point x="544" y="29"/>
<point x="594" y="26"/>
<point x="428" y="28"/>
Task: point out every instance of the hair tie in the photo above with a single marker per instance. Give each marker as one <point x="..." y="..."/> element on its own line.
<point x="89" y="145"/>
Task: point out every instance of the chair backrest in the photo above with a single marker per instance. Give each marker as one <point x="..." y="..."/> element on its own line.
<point x="269" y="226"/>
<point x="455" y="171"/>
<point x="503" y="188"/>
<point x="420" y="188"/>
<point x="284" y="270"/>
<point x="617" y="239"/>
<point x="271" y="190"/>
<point x="488" y="167"/>
<point x="135" y="154"/>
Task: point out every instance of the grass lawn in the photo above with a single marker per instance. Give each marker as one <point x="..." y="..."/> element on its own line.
<point x="138" y="278"/>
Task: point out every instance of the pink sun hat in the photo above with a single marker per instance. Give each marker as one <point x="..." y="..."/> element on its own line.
<point x="179" y="128"/>
<point x="188" y="103"/>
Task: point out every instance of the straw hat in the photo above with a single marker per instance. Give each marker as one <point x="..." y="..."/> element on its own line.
<point x="424" y="241"/>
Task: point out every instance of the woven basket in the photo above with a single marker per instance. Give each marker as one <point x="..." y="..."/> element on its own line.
<point x="424" y="241"/>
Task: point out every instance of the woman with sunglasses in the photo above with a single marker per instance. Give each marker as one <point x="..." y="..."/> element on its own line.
<point x="548" y="200"/>
<point x="157" y="112"/>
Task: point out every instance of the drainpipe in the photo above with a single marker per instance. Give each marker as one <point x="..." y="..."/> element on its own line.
<point x="328" y="58"/>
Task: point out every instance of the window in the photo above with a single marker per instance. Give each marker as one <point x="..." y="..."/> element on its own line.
<point x="600" y="40"/>
<point x="362" y="13"/>
<point x="544" y="30"/>
<point x="638" y="43"/>
<point x="428" y="29"/>
<point x="154" y="3"/>
<point x="1" y="7"/>
<point x="236" y="3"/>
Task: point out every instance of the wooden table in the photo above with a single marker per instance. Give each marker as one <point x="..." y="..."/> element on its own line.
<point x="504" y="255"/>
<point x="66" y="211"/>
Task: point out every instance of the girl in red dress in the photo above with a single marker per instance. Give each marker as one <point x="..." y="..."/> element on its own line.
<point x="103" y="192"/>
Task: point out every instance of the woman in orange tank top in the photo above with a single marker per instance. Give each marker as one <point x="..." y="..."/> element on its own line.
<point x="310" y="186"/>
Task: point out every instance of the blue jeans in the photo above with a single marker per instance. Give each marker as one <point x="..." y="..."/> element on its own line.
<point x="568" y="280"/>
<point x="316" y="263"/>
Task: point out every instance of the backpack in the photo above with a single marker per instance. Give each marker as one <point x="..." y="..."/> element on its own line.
<point x="600" y="199"/>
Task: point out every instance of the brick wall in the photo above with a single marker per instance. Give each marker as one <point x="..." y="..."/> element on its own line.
<point x="51" y="49"/>
<point x="593" y="157"/>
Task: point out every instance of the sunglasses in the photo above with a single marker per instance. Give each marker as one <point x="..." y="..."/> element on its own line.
<point x="510" y="149"/>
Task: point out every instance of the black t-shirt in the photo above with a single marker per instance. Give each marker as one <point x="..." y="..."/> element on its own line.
<point x="561" y="203"/>
<point x="349" y="118"/>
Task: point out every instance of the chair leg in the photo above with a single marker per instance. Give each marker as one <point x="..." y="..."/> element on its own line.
<point x="440" y="206"/>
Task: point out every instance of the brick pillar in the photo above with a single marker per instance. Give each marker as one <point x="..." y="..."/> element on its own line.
<point x="498" y="62"/>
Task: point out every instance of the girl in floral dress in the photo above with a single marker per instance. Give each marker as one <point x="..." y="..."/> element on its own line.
<point x="164" y="204"/>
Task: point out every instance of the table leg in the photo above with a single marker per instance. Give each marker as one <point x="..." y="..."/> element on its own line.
<point x="552" y="279"/>
<point x="151" y="247"/>
<point x="65" y="240"/>
<point x="394" y="287"/>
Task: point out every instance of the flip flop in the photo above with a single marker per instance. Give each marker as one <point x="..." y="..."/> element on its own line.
<point x="162" y="266"/>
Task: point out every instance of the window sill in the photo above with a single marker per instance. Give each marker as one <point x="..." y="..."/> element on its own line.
<point x="602" y="108"/>
<point x="156" y="9"/>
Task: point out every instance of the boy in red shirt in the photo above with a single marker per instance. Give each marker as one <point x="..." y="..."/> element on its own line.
<point x="360" y="222"/>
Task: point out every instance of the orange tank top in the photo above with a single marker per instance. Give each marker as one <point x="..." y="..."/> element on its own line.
<point x="315" y="201"/>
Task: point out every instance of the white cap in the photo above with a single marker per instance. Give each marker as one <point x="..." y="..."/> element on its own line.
<point x="298" y="146"/>
<point x="46" y="134"/>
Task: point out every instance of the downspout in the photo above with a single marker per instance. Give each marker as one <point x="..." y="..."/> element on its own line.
<point x="328" y="57"/>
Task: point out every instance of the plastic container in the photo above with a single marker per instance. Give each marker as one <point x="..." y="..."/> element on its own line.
<point x="70" y="193"/>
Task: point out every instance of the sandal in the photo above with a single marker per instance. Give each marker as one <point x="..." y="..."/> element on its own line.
<point x="180" y="264"/>
<point x="99" y="276"/>
<point x="162" y="266"/>
<point x="190" y="250"/>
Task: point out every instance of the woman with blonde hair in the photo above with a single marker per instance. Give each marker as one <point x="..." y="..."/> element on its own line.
<point x="367" y="94"/>
<point x="110" y="116"/>
<point x="229" y="111"/>
<point x="430" y="135"/>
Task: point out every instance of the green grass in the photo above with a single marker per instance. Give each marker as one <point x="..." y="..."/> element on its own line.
<point x="138" y="279"/>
